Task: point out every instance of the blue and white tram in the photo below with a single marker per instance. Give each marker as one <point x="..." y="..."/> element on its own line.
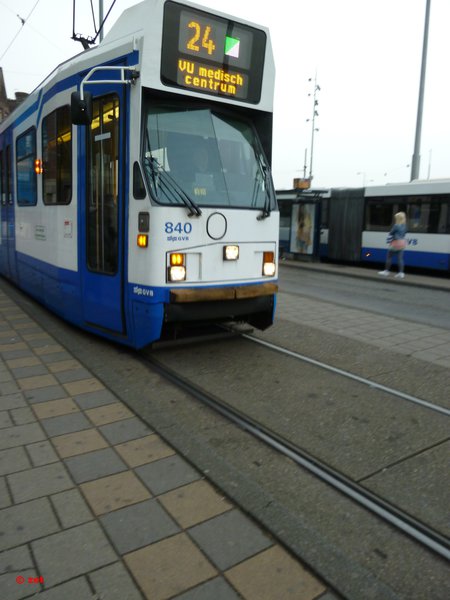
<point x="427" y="208"/>
<point x="354" y="222"/>
<point x="136" y="192"/>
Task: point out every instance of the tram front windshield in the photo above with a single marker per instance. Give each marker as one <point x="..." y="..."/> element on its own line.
<point x="211" y="158"/>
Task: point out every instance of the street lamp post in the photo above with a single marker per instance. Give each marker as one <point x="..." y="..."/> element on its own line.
<point x="415" y="164"/>
<point x="313" y="124"/>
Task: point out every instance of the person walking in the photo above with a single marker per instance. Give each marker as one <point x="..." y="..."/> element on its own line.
<point x="397" y="245"/>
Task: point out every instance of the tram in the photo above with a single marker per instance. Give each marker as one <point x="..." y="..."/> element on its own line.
<point x="136" y="191"/>
<point x="355" y="223"/>
<point x="351" y="224"/>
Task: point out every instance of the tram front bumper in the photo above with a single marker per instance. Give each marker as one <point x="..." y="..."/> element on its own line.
<point x="220" y="303"/>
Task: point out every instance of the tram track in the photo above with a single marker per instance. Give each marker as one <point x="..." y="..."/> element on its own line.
<point x="385" y="510"/>
<point x="369" y="382"/>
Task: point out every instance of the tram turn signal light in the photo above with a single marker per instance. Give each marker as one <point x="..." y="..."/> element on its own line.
<point x="177" y="269"/>
<point x="38" y="168"/>
<point x="176" y="260"/>
<point x="268" y="264"/>
<point x="142" y="240"/>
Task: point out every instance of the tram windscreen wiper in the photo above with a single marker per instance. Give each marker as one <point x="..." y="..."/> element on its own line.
<point x="171" y="189"/>
<point x="264" y="177"/>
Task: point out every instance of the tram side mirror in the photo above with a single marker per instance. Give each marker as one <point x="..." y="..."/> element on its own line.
<point x="81" y="110"/>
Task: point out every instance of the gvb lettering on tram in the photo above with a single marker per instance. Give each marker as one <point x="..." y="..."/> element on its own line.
<point x="136" y="189"/>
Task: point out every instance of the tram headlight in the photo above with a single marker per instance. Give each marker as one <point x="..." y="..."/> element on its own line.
<point x="230" y="252"/>
<point x="269" y="267"/>
<point x="177" y="267"/>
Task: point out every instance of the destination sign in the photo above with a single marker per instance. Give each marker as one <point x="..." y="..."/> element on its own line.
<point x="211" y="55"/>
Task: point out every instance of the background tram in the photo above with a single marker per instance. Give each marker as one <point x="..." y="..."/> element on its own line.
<point x="136" y="193"/>
<point x="351" y="224"/>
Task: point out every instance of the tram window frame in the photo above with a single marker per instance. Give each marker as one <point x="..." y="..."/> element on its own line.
<point x="324" y="213"/>
<point x="103" y="198"/>
<point x="285" y="208"/>
<point x="2" y="183"/>
<point x="386" y="215"/>
<point x="26" y="160"/>
<point x="431" y="217"/>
<point x="58" y="190"/>
<point x="9" y="176"/>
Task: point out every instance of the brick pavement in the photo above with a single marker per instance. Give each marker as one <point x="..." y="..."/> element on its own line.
<point x="431" y="344"/>
<point x="95" y="505"/>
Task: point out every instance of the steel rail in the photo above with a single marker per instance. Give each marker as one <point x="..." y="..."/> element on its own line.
<point x="369" y="382"/>
<point x="414" y="528"/>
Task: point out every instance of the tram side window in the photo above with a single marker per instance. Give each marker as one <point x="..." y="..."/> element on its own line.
<point x="57" y="157"/>
<point x="2" y="183"/>
<point x="324" y="214"/>
<point x="26" y="176"/>
<point x="379" y="215"/>
<point x="426" y="215"/>
<point x="285" y="208"/>
<point x="103" y="186"/>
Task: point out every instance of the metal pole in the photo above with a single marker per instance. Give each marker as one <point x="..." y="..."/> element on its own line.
<point x="313" y="128"/>
<point x="100" y="17"/>
<point x="415" y="164"/>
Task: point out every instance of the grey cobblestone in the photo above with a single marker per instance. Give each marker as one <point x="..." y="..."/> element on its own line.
<point x="5" y="499"/>
<point x="124" y="431"/>
<point x="14" y="563"/>
<point x="22" y="416"/>
<point x="166" y="474"/>
<point x="40" y="481"/>
<point x="217" y="588"/>
<point x="65" y="424"/>
<point x="13" y="401"/>
<point x="78" y="589"/>
<point x="94" y="465"/>
<point x="72" y="552"/>
<point x="41" y="453"/>
<point x="25" y="522"/>
<point x="138" y="525"/>
<point x="71" y="508"/>
<point x="5" y="419"/>
<point x="94" y="399"/>
<point x="229" y="539"/>
<point x="114" y="583"/>
<point x="52" y="392"/>
<point x="20" y="435"/>
<point x="13" y="460"/>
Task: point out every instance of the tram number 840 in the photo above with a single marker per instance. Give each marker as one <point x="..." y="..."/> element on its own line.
<point x="178" y="227"/>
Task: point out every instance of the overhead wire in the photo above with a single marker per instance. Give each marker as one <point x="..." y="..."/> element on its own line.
<point x="21" y="27"/>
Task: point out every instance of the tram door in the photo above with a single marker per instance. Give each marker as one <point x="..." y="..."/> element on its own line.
<point x="103" y="247"/>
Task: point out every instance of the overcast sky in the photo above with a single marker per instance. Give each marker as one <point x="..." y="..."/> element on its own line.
<point x="367" y="55"/>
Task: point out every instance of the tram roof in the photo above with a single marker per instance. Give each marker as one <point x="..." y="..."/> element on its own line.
<point x="416" y="187"/>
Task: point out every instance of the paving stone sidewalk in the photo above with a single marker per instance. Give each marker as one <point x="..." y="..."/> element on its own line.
<point x="95" y="505"/>
<point x="424" y="342"/>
